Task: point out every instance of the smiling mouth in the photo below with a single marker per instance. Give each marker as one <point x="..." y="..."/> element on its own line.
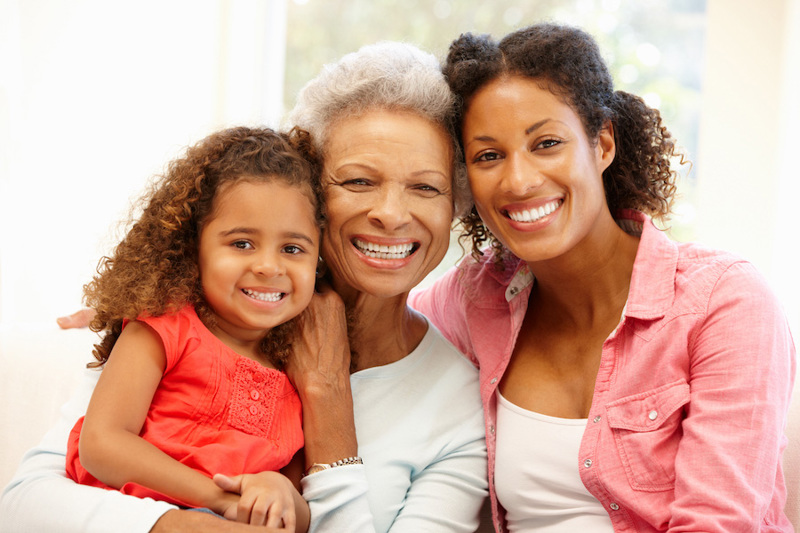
<point x="264" y="296"/>
<point x="532" y="215"/>
<point x="382" y="251"/>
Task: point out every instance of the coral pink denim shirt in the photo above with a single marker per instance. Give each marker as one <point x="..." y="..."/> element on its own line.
<point x="686" y="427"/>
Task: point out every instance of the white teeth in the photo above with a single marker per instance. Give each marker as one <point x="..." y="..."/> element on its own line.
<point x="532" y="215"/>
<point x="263" y="296"/>
<point x="380" y="251"/>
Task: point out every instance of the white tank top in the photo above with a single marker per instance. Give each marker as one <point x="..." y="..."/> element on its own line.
<point x="536" y="473"/>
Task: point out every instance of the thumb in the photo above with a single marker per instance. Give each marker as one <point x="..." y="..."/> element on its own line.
<point x="229" y="484"/>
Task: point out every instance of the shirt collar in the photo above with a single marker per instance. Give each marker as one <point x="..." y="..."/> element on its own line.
<point x="523" y="278"/>
<point x="652" y="289"/>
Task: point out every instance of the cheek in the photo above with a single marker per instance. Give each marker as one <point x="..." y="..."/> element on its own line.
<point x="331" y="245"/>
<point x="481" y="191"/>
<point x="438" y="222"/>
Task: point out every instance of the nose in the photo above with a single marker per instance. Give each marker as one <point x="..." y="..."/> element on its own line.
<point x="520" y="175"/>
<point x="268" y="263"/>
<point x="389" y="208"/>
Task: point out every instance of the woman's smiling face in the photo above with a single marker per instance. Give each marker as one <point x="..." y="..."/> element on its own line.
<point x="536" y="177"/>
<point x="388" y="187"/>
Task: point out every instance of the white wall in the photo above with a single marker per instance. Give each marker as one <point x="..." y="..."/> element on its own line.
<point x="95" y="97"/>
<point x="748" y="179"/>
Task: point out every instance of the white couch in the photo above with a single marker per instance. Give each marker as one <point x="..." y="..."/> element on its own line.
<point x="40" y="365"/>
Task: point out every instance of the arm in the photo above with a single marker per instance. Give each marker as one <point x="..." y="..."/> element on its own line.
<point x="110" y="446"/>
<point x="177" y="521"/>
<point x="742" y="370"/>
<point x="78" y="319"/>
<point x="320" y="370"/>
<point x="41" y="483"/>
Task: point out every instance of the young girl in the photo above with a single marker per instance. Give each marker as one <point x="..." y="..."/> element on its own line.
<point x="196" y="305"/>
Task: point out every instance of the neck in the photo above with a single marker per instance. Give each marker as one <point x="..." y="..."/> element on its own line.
<point x="383" y="330"/>
<point x="589" y="285"/>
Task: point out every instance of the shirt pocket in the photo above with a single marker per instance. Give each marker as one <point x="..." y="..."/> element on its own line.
<point x="647" y="431"/>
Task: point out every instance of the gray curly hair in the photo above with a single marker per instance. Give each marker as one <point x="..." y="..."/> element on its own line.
<point x="388" y="76"/>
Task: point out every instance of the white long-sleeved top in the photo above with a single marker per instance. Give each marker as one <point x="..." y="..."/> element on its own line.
<point x="419" y="424"/>
<point x="42" y="498"/>
<point x="420" y="433"/>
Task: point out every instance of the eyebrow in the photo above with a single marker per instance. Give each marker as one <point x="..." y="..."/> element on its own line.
<point x="252" y="231"/>
<point x="536" y="126"/>
<point x="528" y="131"/>
<point x="374" y="171"/>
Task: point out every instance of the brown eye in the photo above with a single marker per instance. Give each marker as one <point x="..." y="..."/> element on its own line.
<point x="488" y="156"/>
<point x="293" y="249"/>
<point x="548" y="143"/>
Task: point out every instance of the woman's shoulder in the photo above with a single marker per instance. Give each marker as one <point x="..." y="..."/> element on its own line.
<point x="444" y="356"/>
<point x="699" y="263"/>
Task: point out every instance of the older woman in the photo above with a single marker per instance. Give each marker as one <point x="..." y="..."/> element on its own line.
<point x="398" y="444"/>
<point x="630" y="383"/>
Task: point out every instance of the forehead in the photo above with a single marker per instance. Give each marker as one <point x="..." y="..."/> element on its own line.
<point x="378" y="134"/>
<point x="242" y="186"/>
<point x="516" y="98"/>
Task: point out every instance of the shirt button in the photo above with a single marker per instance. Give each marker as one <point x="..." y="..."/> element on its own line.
<point x="596" y="419"/>
<point x="491" y="429"/>
<point x="254" y="394"/>
<point x="514" y="291"/>
<point x="587" y="463"/>
<point x="493" y="381"/>
<point x="253" y="410"/>
<point x="614" y="507"/>
<point x="652" y="415"/>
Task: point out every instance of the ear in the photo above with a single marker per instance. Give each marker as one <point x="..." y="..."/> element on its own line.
<point x="606" y="147"/>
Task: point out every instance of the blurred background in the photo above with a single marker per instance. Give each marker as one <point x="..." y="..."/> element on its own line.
<point x="97" y="96"/>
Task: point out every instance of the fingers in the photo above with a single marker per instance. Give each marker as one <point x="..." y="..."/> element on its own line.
<point x="78" y="319"/>
<point x="289" y="518"/>
<point x="275" y="515"/>
<point x="228" y="484"/>
<point x="266" y="510"/>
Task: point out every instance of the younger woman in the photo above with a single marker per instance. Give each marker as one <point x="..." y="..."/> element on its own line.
<point x="196" y="306"/>
<point x="630" y="383"/>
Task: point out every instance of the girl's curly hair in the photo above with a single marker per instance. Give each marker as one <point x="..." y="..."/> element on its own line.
<point x="154" y="269"/>
<point x="567" y="61"/>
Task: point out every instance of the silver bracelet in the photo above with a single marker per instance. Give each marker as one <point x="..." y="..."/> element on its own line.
<point x="319" y="467"/>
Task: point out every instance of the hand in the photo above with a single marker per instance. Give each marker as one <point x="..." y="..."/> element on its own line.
<point x="182" y="521"/>
<point x="321" y="352"/>
<point x="78" y="319"/>
<point x="319" y="368"/>
<point x="267" y="499"/>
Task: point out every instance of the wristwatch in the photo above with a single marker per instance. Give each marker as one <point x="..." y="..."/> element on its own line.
<point x="319" y="467"/>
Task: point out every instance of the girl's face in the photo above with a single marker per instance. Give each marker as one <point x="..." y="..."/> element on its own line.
<point x="536" y="177"/>
<point x="258" y="255"/>
<point x="388" y="188"/>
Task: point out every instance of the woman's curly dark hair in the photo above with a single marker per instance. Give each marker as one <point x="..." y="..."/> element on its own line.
<point x="154" y="269"/>
<point x="567" y="61"/>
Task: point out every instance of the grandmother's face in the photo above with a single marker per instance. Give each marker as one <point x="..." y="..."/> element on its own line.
<point x="388" y="187"/>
